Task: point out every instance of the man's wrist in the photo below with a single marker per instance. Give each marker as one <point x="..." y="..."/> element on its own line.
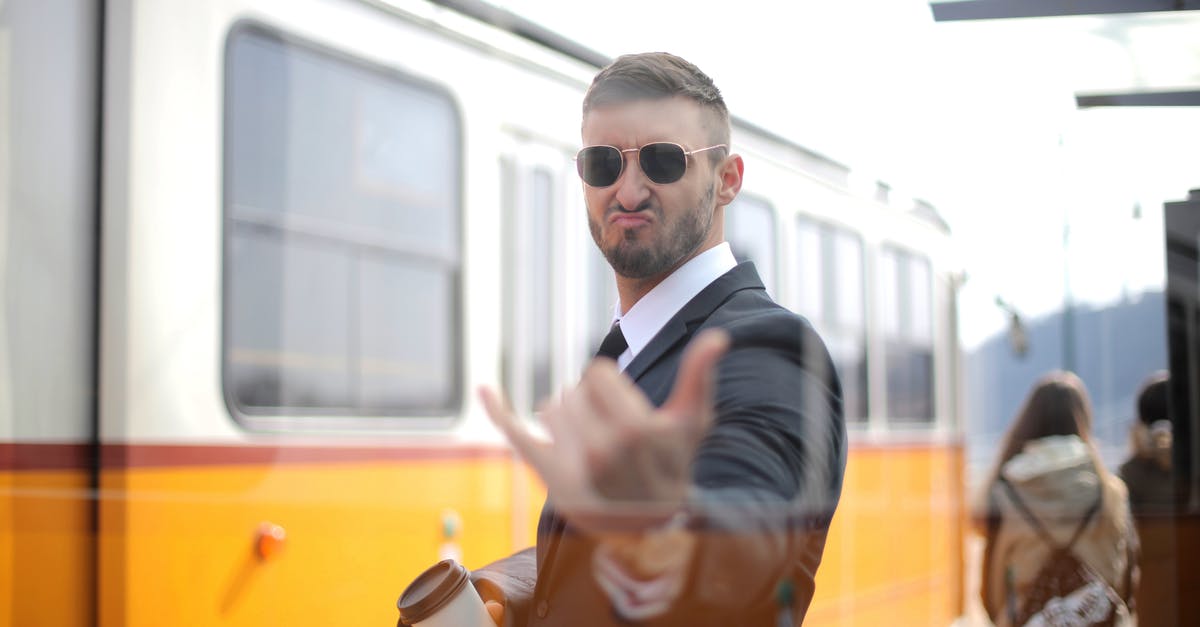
<point x="644" y="573"/>
<point x="662" y="549"/>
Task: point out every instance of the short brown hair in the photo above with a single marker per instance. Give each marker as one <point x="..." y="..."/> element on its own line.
<point x="654" y="75"/>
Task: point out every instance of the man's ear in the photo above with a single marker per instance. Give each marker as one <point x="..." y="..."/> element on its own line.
<point x="729" y="175"/>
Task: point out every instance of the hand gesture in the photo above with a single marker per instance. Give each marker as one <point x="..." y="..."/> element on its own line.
<point x="612" y="454"/>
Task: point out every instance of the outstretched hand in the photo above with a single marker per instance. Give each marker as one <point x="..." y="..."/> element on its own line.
<point x="612" y="453"/>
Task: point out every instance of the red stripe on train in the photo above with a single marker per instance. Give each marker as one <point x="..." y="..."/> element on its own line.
<point x="68" y="456"/>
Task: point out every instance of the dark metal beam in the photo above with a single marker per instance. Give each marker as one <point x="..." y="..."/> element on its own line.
<point x="1184" y="98"/>
<point x="1001" y="9"/>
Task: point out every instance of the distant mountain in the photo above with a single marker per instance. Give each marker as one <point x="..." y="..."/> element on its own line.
<point x="1115" y="349"/>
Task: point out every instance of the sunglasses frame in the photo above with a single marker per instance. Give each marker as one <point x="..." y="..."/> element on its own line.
<point x="686" y="154"/>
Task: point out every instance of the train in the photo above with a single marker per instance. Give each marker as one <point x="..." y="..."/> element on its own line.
<point x="257" y="255"/>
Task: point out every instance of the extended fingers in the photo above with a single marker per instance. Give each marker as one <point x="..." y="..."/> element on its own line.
<point x="503" y="417"/>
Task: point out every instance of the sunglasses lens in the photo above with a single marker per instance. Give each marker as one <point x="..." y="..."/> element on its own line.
<point x="663" y="163"/>
<point x="599" y="166"/>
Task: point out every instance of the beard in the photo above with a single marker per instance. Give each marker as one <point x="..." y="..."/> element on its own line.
<point x="635" y="259"/>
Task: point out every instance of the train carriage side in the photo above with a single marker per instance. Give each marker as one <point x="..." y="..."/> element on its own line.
<point x="878" y="279"/>
<point x="301" y="282"/>
<point x="322" y="224"/>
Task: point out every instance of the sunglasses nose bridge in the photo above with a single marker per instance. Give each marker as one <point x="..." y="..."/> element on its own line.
<point x="632" y="186"/>
<point x="629" y="162"/>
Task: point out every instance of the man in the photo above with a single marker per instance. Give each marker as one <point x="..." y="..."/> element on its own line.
<point x="691" y="486"/>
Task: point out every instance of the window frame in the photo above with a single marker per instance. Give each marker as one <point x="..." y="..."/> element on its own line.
<point x="905" y="335"/>
<point x="828" y="321"/>
<point x="771" y="281"/>
<point x="353" y="418"/>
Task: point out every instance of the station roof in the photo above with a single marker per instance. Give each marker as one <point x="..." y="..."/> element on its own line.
<point x="1115" y="52"/>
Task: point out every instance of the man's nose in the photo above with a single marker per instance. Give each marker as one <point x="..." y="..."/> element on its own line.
<point x="632" y="187"/>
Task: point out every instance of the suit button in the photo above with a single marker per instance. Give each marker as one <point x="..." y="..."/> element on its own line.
<point x="543" y="608"/>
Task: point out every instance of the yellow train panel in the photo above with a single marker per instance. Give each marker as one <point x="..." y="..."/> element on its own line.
<point x="178" y="544"/>
<point x="893" y="555"/>
<point x="46" y="551"/>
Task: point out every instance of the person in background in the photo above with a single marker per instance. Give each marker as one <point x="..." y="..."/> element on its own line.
<point x="1147" y="472"/>
<point x="693" y="472"/>
<point x="1153" y="494"/>
<point x="1048" y="467"/>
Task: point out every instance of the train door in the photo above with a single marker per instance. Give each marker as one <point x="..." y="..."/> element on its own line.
<point x="557" y="289"/>
<point x="49" y="90"/>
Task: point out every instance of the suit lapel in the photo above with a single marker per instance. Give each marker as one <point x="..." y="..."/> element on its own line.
<point x="679" y="328"/>
<point x="684" y="323"/>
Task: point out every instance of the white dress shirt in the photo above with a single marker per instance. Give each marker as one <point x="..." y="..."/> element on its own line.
<point x="649" y="315"/>
<point x="632" y="598"/>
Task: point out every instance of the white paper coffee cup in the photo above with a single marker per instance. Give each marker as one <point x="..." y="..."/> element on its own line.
<point x="443" y="596"/>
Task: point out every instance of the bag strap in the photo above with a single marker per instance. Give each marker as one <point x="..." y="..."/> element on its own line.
<point x="1037" y="525"/>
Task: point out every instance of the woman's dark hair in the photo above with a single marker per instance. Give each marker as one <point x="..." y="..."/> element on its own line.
<point x="1058" y="404"/>
<point x="1152" y="399"/>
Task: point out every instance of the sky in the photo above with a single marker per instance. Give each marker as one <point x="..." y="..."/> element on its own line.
<point x="1042" y="197"/>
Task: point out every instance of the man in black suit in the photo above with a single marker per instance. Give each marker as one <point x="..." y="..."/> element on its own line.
<point x="692" y="474"/>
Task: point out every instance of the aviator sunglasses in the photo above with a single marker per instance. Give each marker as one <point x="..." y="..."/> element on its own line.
<point x="662" y="162"/>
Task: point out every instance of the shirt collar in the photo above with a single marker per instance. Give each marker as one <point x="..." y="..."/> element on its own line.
<point x="650" y="314"/>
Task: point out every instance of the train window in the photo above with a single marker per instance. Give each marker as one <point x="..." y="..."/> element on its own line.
<point x="541" y="285"/>
<point x="750" y="230"/>
<point x="830" y="293"/>
<point x="906" y="283"/>
<point x="342" y="235"/>
<point x="509" y="371"/>
<point x="529" y="220"/>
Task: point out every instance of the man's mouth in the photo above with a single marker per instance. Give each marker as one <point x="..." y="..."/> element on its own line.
<point x="629" y="220"/>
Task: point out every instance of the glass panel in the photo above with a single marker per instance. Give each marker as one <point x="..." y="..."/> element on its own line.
<point x="809" y="286"/>
<point x="890" y="294"/>
<point x="402" y="357"/>
<point x="847" y="323"/>
<point x="508" y="269"/>
<point x="921" y="287"/>
<point x="750" y="230"/>
<point x="342" y="226"/>
<point x="288" y="336"/>
<point x="830" y="295"/>
<point x="540" y="323"/>
<point x="907" y="288"/>
<point x="848" y="289"/>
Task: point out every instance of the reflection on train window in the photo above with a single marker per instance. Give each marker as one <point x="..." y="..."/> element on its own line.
<point x="529" y="221"/>
<point x="342" y="234"/>
<point x="830" y="293"/>
<point x="541" y="263"/>
<point x="508" y="271"/>
<point x="750" y="231"/>
<point x="905" y="280"/>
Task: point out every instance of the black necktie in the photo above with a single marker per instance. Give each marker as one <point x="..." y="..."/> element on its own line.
<point x="614" y="343"/>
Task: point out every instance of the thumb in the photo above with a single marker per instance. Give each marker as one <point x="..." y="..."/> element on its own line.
<point x="495" y="609"/>
<point x="695" y="382"/>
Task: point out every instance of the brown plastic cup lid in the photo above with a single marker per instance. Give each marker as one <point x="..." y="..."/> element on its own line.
<point x="431" y="591"/>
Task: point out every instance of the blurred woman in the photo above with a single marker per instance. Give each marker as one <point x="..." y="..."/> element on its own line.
<point x="1049" y="469"/>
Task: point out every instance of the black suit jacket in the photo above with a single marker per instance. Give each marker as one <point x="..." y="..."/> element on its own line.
<point x="766" y="478"/>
